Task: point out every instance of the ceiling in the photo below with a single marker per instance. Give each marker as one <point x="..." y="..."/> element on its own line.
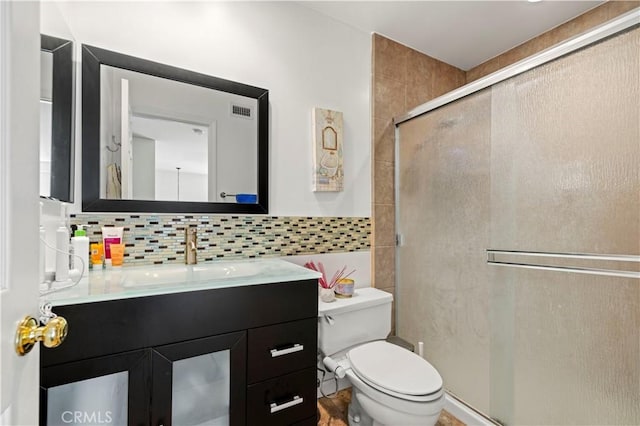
<point x="460" y="33"/>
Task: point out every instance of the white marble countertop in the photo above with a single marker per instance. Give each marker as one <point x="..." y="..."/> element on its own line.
<point x="150" y="280"/>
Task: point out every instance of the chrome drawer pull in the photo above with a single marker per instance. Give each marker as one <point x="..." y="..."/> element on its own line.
<point x="295" y="348"/>
<point x="295" y="401"/>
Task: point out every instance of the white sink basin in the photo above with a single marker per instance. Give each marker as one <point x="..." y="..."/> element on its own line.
<point x="176" y="274"/>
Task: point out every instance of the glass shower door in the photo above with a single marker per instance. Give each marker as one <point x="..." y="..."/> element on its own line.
<point x="544" y="167"/>
<point x="443" y="212"/>
<point x="565" y="179"/>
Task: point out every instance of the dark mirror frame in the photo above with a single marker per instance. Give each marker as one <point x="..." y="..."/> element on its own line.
<point x="92" y="58"/>
<point x="62" y="146"/>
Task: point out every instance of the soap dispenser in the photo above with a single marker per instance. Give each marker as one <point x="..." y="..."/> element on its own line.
<point x="80" y="245"/>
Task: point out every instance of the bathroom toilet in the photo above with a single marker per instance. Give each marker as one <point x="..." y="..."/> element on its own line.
<point x="390" y="385"/>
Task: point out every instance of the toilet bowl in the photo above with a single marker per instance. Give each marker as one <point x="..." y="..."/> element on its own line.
<point x="390" y="385"/>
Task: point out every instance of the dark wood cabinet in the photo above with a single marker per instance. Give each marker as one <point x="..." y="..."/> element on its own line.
<point x="246" y="352"/>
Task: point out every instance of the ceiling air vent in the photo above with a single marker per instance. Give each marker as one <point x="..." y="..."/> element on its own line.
<point x="241" y="111"/>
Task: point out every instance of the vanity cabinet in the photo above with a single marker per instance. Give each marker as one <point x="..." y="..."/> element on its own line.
<point x="237" y="355"/>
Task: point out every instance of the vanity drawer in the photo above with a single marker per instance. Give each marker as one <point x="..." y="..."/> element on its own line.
<point x="282" y="348"/>
<point x="285" y="400"/>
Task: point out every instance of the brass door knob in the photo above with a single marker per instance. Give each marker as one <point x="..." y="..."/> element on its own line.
<point x="51" y="335"/>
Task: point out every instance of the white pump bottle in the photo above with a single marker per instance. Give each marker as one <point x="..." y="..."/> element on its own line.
<point x="80" y="244"/>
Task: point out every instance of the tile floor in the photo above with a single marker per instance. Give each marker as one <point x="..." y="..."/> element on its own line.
<point x="333" y="412"/>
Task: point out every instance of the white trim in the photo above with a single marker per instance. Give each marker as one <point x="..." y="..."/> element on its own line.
<point x="464" y="413"/>
<point x="4" y="138"/>
<point x="596" y="34"/>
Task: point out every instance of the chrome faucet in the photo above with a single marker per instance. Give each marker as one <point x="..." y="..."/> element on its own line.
<point x="191" y="249"/>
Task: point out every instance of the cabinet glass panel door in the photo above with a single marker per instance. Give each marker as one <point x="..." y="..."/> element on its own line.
<point x="200" y="382"/>
<point x="92" y="401"/>
<point x="105" y="390"/>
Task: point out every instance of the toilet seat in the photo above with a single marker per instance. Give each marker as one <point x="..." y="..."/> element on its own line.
<point x="395" y="371"/>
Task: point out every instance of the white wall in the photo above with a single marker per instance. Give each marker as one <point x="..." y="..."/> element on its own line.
<point x="193" y="186"/>
<point x="45" y="147"/>
<point x="304" y="58"/>
<point x="144" y="168"/>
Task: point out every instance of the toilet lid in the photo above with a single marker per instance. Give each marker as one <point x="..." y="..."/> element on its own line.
<point x="394" y="368"/>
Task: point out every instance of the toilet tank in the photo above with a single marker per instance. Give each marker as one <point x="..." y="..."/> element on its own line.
<point x="364" y="317"/>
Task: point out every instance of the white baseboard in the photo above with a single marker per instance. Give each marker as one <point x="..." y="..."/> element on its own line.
<point x="464" y="413"/>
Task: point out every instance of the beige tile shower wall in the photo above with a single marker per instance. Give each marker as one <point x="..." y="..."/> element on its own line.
<point x="402" y="79"/>
<point x="155" y="239"/>
<point x="582" y="23"/>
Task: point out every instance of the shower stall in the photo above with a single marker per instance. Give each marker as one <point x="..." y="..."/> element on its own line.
<point x="518" y="207"/>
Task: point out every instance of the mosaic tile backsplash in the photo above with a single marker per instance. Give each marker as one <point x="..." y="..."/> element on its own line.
<point x="155" y="239"/>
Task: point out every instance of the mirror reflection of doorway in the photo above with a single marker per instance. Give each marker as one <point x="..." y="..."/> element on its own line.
<point x="170" y="159"/>
<point x="46" y="114"/>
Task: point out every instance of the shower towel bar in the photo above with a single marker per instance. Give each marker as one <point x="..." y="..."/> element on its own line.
<point x="580" y="270"/>
<point x="615" y="257"/>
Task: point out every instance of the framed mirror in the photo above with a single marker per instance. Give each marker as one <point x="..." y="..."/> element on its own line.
<point x="156" y="138"/>
<point x="56" y="118"/>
